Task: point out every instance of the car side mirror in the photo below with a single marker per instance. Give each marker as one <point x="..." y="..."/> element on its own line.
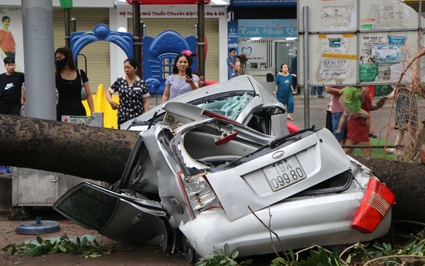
<point x="269" y="77"/>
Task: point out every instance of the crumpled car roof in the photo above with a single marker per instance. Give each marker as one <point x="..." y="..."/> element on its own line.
<point x="240" y="83"/>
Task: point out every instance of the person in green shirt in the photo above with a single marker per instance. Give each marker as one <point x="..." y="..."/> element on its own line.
<point x="351" y="101"/>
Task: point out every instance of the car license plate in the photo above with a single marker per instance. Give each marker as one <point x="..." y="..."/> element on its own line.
<point x="284" y="173"/>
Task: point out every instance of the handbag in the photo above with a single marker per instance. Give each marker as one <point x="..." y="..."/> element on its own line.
<point x="83" y="89"/>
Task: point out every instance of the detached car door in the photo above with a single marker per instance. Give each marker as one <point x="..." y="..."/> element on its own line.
<point x="114" y="215"/>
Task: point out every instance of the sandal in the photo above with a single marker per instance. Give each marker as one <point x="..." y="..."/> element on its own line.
<point x="390" y="150"/>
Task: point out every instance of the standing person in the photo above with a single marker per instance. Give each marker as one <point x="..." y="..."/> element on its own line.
<point x="11" y="89"/>
<point x="357" y="128"/>
<point x="11" y="96"/>
<point x="319" y="90"/>
<point x="231" y="63"/>
<point x="132" y="91"/>
<point x="190" y="55"/>
<point x="328" y="121"/>
<point x="201" y="78"/>
<point x="68" y="84"/>
<point x="351" y="101"/>
<point x="179" y="83"/>
<point x="337" y="112"/>
<point x="406" y="115"/>
<point x="238" y="69"/>
<point x="294" y="69"/>
<point x="284" y="89"/>
<point x="7" y="42"/>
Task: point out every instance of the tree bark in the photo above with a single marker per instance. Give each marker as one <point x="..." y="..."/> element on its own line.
<point x="101" y="154"/>
<point x="407" y="181"/>
<point x="83" y="151"/>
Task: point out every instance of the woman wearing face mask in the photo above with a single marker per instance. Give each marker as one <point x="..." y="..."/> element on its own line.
<point x="68" y="84"/>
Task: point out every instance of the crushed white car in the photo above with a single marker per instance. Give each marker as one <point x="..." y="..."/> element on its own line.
<point x="200" y="177"/>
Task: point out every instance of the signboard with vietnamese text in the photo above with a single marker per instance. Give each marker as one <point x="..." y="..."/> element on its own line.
<point x="182" y="11"/>
<point x="267" y="28"/>
<point x="263" y="2"/>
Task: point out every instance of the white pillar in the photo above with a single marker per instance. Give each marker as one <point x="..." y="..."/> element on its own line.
<point x="37" y="25"/>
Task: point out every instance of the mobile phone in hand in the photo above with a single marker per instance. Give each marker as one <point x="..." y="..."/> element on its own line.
<point x="189" y="72"/>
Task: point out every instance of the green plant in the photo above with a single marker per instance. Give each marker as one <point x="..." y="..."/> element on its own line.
<point x="88" y="249"/>
<point x="222" y="257"/>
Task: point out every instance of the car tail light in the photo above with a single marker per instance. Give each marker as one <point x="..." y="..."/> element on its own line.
<point x="376" y="202"/>
<point x="199" y="195"/>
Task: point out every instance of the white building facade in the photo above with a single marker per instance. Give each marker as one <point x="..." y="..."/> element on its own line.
<point x="104" y="61"/>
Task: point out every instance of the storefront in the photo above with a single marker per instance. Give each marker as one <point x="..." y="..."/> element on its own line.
<point x="104" y="61"/>
<point x="266" y="32"/>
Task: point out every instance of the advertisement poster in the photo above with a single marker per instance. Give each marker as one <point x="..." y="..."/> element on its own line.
<point x="11" y="38"/>
<point x="378" y="52"/>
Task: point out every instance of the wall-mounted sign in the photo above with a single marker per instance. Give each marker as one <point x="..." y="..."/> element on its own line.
<point x="267" y="28"/>
<point x="263" y="2"/>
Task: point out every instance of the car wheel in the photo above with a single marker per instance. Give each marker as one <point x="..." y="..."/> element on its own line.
<point x="191" y="255"/>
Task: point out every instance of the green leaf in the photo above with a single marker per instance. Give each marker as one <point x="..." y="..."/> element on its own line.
<point x="234" y="254"/>
<point x="226" y="249"/>
<point x="62" y="248"/>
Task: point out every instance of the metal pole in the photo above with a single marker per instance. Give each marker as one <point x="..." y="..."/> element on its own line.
<point x="306" y="72"/>
<point x="201" y="40"/>
<point x="141" y="34"/>
<point x="37" y="26"/>
<point x="136" y="36"/>
<point x="67" y="27"/>
<point x="73" y="25"/>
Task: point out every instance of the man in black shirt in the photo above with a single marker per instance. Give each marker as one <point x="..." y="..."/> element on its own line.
<point x="11" y="86"/>
<point x="11" y="96"/>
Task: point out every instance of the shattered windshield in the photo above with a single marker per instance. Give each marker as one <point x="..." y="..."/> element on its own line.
<point x="227" y="106"/>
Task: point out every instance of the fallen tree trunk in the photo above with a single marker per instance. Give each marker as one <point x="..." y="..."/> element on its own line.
<point x="101" y="154"/>
<point x="407" y="181"/>
<point x="83" y="151"/>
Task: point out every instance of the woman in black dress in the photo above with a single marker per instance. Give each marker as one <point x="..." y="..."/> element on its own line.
<point x="68" y="84"/>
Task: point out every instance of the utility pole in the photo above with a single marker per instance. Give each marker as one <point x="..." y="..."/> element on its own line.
<point x="66" y="5"/>
<point x="37" y="27"/>
<point x="137" y="40"/>
<point x="201" y="37"/>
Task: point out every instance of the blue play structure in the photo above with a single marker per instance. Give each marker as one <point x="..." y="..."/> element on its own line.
<point x="101" y="32"/>
<point x="158" y="53"/>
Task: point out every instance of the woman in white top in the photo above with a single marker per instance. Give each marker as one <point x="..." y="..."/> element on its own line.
<point x="179" y="83"/>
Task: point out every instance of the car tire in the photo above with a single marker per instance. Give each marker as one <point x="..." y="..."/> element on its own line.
<point x="190" y="253"/>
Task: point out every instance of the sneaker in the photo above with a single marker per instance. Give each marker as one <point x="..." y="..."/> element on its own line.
<point x="233" y="74"/>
